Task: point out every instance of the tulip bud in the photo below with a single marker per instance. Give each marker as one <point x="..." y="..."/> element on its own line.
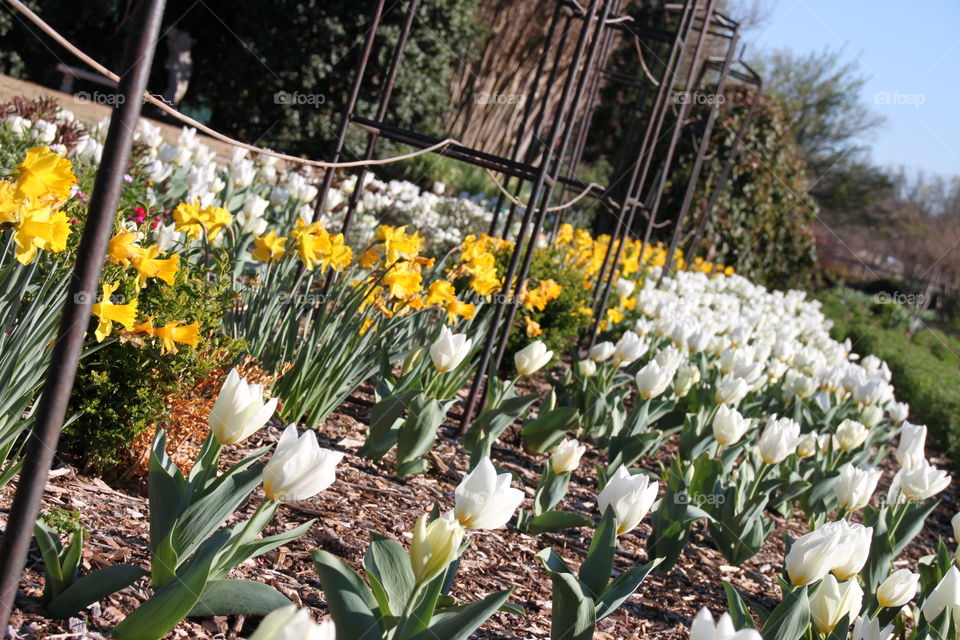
<point x="922" y="481"/>
<point x="859" y="538"/>
<point x="290" y="623"/>
<point x="850" y="435"/>
<point x="855" y="487"/>
<point x="731" y="390"/>
<point x="898" y="411"/>
<point x="625" y="287"/>
<point x="807" y="446"/>
<point x="945" y="595"/>
<point x="239" y="410"/>
<point x="629" y="348"/>
<point x="898" y="589"/>
<point x="686" y="378"/>
<point x="434" y="547"/>
<point x="449" y="350"/>
<point x="703" y="628"/>
<point x="586" y="368"/>
<point x="956" y="527"/>
<point x="729" y="426"/>
<point x="833" y="601"/>
<point x="871" y="415"/>
<point x="602" y="351"/>
<point x="485" y="500"/>
<point x="867" y="629"/>
<point x="532" y="358"/>
<point x="913" y="441"/>
<point x="299" y="468"/>
<point x="778" y="440"/>
<point x="653" y="380"/>
<point x="566" y="456"/>
<point x="630" y="496"/>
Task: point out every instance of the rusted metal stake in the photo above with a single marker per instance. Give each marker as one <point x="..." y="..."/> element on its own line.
<point x="52" y="406"/>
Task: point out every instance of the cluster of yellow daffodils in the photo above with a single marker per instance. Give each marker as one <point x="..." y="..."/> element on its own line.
<point x="123" y="250"/>
<point x="31" y="202"/>
<point x="478" y="261"/>
<point x="316" y="246"/>
<point x="196" y="220"/>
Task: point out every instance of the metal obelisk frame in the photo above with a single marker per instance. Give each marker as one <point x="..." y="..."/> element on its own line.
<point x="52" y="405"/>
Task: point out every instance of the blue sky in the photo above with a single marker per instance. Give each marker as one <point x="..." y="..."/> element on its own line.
<point x="911" y="53"/>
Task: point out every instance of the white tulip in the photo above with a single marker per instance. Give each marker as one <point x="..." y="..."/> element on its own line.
<point x="859" y="538"/>
<point x="850" y="435"/>
<point x="871" y="415"/>
<point x="290" y="623"/>
<point x="630" y="496"/>
<point x="778" y="440"/>
<point x="955" y="522"/>
<point x="586" y="368"/>
<point x="913" y="442"/>
<point x="625" y="287"/>
<point x="434" y="546"/>
<point x="239" y="410"/>
<point x="867" y="629"/>
<point x="703" y="628"/>
<point x="731" y="390"/>
<point x="602" y="351"/>
<point x="485" y="500"/>
<point x="653" y="380"/>
<point x="898" y="411"/>
<point x="855" y="487"/>
<point x="532" y="358"/>
<point x="629" y="347"/>
<point x="299" y="468"/>
<point x="566" y="456"/>
<point x="898" y="589"/>
<point x="449" y="350"/>
<point x="945" y="596"/>
<point x="922" y="481"/>
<point x="686" y="378"/>
<point x="808" y="445"/>
<point x="817" y="553"/>
<point x="729" y="426"/>
<point x="833" y="601"/>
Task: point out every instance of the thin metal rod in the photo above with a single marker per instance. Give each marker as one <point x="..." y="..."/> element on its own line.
<point x="701" y="153"/>
<point x="348" y="108"/>
<point x="385" y="94"/>
<point x="724" y="174"/>
<point x="52" y="405"/>
<point x="527" y="112"/>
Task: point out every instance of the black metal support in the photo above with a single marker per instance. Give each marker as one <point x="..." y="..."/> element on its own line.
<point x="52" y="405"/>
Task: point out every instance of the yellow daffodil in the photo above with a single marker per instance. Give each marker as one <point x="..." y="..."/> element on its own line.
<point x="44" y="176"/>
<point x="402" y="282"/>
<point x="188" y="218"/>
<point x="172" y="333"/>
<point x="125" y="314"/>
<point x="10" y="201"/>
<point x="369" y="258"/>
<point x="40" y="228"/>
<point x="397" y="243"/>
<point x="269" y="247"/>
<point x="532" y="327"/>
<point x="122" y="249"/>
<point x="215" y="220"/>
<point x="440" y="293"/>
<point x="150" y="266"/>
<point x="463" y="309"/>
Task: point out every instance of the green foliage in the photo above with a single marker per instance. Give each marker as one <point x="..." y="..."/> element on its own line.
<point x="561" y="320"/>
<point x="63" y="521"/>
<point x="925" y="365"/>
<point x="761" y="222"/>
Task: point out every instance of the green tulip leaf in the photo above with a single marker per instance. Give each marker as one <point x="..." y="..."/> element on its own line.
<point x="237" y="597"/>
<point x="353" y="607"/>
<point x="558" y="521"/>
<point x="93" y="587"/>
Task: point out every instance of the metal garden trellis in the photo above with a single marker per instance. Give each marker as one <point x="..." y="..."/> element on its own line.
<point x="42" y="438"/>
<point x="559" y="128"/>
